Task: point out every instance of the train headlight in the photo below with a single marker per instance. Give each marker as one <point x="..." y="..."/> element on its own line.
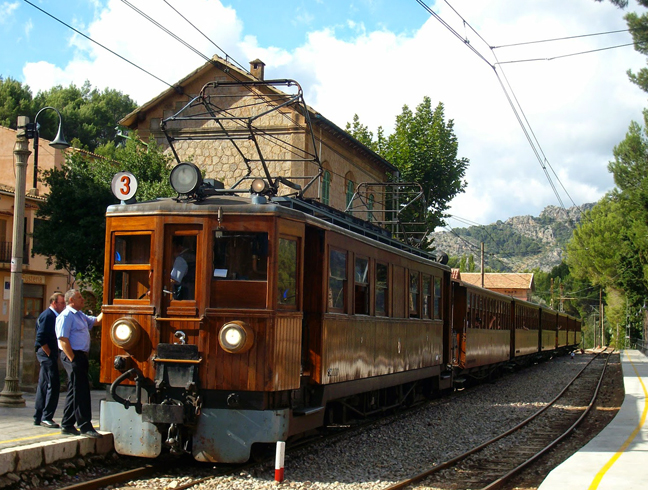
<point x="185" y="178"/>
<point x="236" y="337"/>
<point x="125" y="332"/>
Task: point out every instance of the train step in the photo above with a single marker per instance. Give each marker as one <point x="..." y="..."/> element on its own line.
<point x="459" y="382"/>
<point x="302" y="412"/>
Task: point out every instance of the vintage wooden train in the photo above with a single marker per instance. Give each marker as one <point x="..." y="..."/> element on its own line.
<point x="283" y="316"/>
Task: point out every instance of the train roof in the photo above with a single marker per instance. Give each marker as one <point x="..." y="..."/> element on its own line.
<point x="308" y="210"/>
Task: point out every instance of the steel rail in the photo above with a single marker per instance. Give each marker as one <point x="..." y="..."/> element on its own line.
<point x="500" y="481"/>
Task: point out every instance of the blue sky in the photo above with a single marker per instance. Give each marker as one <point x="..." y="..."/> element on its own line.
<point x="370" y="57"/>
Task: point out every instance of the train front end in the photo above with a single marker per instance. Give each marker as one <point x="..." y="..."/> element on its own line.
<point x="201" y="340"/>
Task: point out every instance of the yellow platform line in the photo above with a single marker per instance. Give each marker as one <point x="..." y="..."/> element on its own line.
<point x="53" y="434"/>
<point x="599" y="476"/>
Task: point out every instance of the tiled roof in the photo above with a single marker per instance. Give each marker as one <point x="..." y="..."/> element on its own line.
<point x="496" y="280"/>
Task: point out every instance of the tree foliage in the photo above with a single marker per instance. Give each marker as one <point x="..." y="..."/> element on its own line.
<point x="611" y="245"/>
<point x="72" y="232"/>
<point x="424" y="148"/>
<point x="90" y="116"/>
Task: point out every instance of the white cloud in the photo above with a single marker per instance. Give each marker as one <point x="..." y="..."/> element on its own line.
<point x="7" y="10"/>
<point x="579" y="107"/>
<point x="29" y="26"/>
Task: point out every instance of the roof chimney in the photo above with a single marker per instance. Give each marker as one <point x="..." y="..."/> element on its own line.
<point x="256" y="68"/>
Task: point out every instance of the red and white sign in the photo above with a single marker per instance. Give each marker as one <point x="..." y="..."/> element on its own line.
<point x="124" y="185"/>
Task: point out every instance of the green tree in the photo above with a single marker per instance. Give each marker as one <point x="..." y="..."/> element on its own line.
<point x="424" y="148"/>
<point x="15" y="100"/>
<point x="90" y="116"/>
<point x="360" y="132"/>
<point x="72" y="231"/>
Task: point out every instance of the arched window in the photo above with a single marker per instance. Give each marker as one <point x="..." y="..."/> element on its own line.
<point x="349" y="192"/>
<point x="370" y="206"/>
<point x="326" y="187"/>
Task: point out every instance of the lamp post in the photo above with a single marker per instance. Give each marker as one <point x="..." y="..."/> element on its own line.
<point x="58" y="143"/>
<point x="11" y="395"/>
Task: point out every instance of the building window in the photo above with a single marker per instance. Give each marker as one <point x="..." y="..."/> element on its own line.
<point x="326" y="187"/>
<point x="361" y="286"/>
<point x="350" y="189"/>
<point x="382" y="288"/>
<point x="370" y="206"/>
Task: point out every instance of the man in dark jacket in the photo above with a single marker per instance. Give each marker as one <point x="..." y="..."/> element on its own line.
<point x="47" y="352"/>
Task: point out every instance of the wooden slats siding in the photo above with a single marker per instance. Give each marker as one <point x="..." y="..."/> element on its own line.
<point x="484" y="346"/>
<point x="526" y="342"/>
<point x="361" y="347"/>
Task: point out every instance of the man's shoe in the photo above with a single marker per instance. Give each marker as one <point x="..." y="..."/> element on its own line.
<point x="37" y="422"/>
<point x="70" y="431"/>
<point x="91" y="433"/>
<point x="50" y="424"/>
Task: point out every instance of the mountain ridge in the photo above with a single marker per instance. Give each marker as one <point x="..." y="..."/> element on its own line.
<point x="520" y="243"/>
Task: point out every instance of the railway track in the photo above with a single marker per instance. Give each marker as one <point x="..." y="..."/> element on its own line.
<point x="490" y="465"/>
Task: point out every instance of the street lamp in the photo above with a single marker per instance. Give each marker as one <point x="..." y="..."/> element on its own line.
<point x="11" y="395"/>
<point x="59" y="142"/>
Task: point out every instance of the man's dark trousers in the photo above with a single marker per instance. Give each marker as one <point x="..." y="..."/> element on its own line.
<point x="78" y="404"/>
<point x="49" y="386"/>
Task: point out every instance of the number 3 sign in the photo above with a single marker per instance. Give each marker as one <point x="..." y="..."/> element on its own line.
<point x="124" y="185"/>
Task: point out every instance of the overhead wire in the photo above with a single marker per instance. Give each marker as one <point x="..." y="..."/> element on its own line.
<point x="100" y="45"/>
<point x="510" y="96"/>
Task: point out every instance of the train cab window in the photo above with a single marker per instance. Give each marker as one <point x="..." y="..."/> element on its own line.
<point x="382" y="289"/>
<point x="361" y="291"/>
<point x="240" y="270"/>
<point x="437" y="298"/>
<point x="131" y="269"/>
<point x="241" y="256"/>
<point x="427" y="310"/>
<point x="337" y="280"/>
<point x="287" y="278"/>
<point x="414" y="295"/>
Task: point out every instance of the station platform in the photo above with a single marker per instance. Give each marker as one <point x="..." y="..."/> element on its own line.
<point x="617" y="458"/>
<point x="25" y="446"/>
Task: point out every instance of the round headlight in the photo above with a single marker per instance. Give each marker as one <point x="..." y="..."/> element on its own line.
<point x="235" y="337"/>
<point x="125" y="332"/>
<point x="185" y="178"/>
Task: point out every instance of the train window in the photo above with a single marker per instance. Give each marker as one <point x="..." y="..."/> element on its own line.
<point x="437" y="298"/>
<point x="131" y="270"/>
<point x="132" y="249"/>
<point x="361" y="286"/>
<point x="287" y="278"/>
<point x="241" y="256"/>
<point x="427" y="310"/>
<point x="382" y="288"/>
<point x="337" y="280"/>
<point x="414" y="295"/>
<point x="183" y="271"/>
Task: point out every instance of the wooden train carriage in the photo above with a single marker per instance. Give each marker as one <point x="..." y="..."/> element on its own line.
<point x="563" y="328"/>
<point x="325" y="313"/>
<point x="548" y="329"/>
<point x="526" y="338"/>
<point x="380" y="312"/>
<point x="482" y="324"/>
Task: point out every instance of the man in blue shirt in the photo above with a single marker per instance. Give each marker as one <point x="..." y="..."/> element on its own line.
<point x="73" y="333"/>
<point x="47" y="353"/>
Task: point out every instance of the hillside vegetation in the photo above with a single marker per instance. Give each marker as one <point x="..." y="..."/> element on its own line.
<point x="517" y="244"/>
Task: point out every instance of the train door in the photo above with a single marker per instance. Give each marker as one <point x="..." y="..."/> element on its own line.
<point x="182" y="275"/>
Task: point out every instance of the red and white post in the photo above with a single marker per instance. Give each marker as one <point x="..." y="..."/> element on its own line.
<point x="279" y="461"/>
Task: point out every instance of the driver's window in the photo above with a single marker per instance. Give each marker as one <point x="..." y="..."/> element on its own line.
<point x="183" y="271"/>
